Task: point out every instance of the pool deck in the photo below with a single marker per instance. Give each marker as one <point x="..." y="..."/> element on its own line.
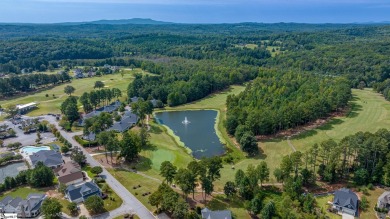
<point x="26" y="155"/>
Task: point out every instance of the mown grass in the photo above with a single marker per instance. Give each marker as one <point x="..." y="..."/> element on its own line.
<point x="130" y="180"/>
<point x="22" y="192"/>
<point x="122" y="216"/>
<point x="52" y="104"/>
<point x="369" y="111"/>
<point x="322" y="203"/>
<point x="372" y="199"/>
<point x="113" y="201"/>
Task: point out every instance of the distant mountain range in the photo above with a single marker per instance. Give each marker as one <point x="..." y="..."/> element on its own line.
<point x="121" y="21"/>
<point x="142" y="21"/>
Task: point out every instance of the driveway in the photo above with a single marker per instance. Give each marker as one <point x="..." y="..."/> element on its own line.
<point x="130" y="202"/>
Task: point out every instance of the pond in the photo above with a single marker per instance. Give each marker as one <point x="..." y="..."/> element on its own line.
<point x="11" y="170"/>
<point x="196" y="130"/>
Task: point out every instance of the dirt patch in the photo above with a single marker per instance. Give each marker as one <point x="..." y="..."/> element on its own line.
<point x="94" y="150"/>
<point x="307" y="127"/>
<point x="107" y="162"/>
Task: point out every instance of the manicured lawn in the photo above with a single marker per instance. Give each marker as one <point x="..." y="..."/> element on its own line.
<point x="52" y="105"/>
<point x="64" y="202"/>
<point x="129" y="180"/>
<point x="369" y="112"/>
<point x="122" y="216"/>
<point x="113" y="201"/>
<point x="235" y="204"/>
<point x="22" y="192"/>
<point x="164" y="149"/>
<point x="372" y="198"/>
<point x="87" y="169"/>
<point x="322" y="204"/>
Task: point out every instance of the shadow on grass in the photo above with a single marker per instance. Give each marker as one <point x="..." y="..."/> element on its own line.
<point x="330" y="125"/>
<point x="220" y="202"/>
<point x="355" y="109"/>
<point x="155" y="129"/>
<point x="143" y="164"/>
<point x="305" y="134"/>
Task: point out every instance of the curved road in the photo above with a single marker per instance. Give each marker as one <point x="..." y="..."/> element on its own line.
<point x="130" y="202"/>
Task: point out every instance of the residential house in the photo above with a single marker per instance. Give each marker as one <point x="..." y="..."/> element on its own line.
<point x="30" y="207"/>
<point x="108" y="109"/>
<point x="78" y="73"/>
<point x="208" y="214"/>
<point x="70" y="173"/>
<point x="384" y="200"/>
<point x="154" y="102"/>
<point x="81" y="192"/>
<point x="128" y="119"/>
<point x="346" y="202"/>
<point x="90" y="137"/>
<point x="49" y="158"/>
<point x="134" y="99"/>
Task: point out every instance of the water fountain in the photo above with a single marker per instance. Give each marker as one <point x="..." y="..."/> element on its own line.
<point x="185" y="121"/>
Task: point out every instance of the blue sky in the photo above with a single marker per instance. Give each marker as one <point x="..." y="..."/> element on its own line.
<point x="197" y="11"/>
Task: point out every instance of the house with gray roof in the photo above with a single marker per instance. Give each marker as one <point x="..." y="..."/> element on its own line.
<point x="128" y="119"/>
<point x="49" y="158"/>
<point x="208" y="214"/>
<point x="134" y="99"/>
<point x="346" y="202"/>
<point x="30" y="207"/>
<point x="81" y="192"/>
<point x="384" y="201"/>
<point x="90" y="137"/>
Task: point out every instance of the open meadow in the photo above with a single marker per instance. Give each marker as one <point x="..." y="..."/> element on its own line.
<point x="56" y="95"/>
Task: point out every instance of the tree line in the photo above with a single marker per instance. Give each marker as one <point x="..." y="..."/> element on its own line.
<point x="201" y="173"/>
<point x="90" y="100"/>
<point x="361" y="157"/>
<point x="40" y="176"/>
<point x="278" y="101"/>
<point x="15" y="84"/>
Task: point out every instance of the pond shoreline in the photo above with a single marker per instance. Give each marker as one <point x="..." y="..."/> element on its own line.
<point x="178" y="140"/>
<point x="11" y="162"/>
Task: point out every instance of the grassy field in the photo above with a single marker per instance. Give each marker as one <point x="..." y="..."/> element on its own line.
<point x="322" y="203"/>
<point x="52" y="105"/>
<point x="249" y="46"/>
<point x="369" y="112"/>
<point x="129" y="180"/>
<point x="122" y="216"/>
<point x="22" y="192"/>
<point x="372" y="198"/>
<point x="113" y="201"/>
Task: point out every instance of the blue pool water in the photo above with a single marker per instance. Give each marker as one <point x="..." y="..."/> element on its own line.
<point x="28" y="150"/>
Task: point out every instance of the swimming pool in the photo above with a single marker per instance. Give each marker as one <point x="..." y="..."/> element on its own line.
<point x="29" y="150"/>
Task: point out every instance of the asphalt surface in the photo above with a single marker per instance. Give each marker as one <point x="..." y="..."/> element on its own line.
<point x="130" y="203"/>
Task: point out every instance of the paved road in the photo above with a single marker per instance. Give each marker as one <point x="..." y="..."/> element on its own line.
<point x="130" y="202"/>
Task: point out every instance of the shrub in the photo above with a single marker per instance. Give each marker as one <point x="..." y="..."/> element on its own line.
<point x="85" y="143"/>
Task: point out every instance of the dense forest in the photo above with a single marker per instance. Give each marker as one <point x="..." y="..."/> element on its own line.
<point x="281" y="100"/>
<point x="16" y="84"/>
